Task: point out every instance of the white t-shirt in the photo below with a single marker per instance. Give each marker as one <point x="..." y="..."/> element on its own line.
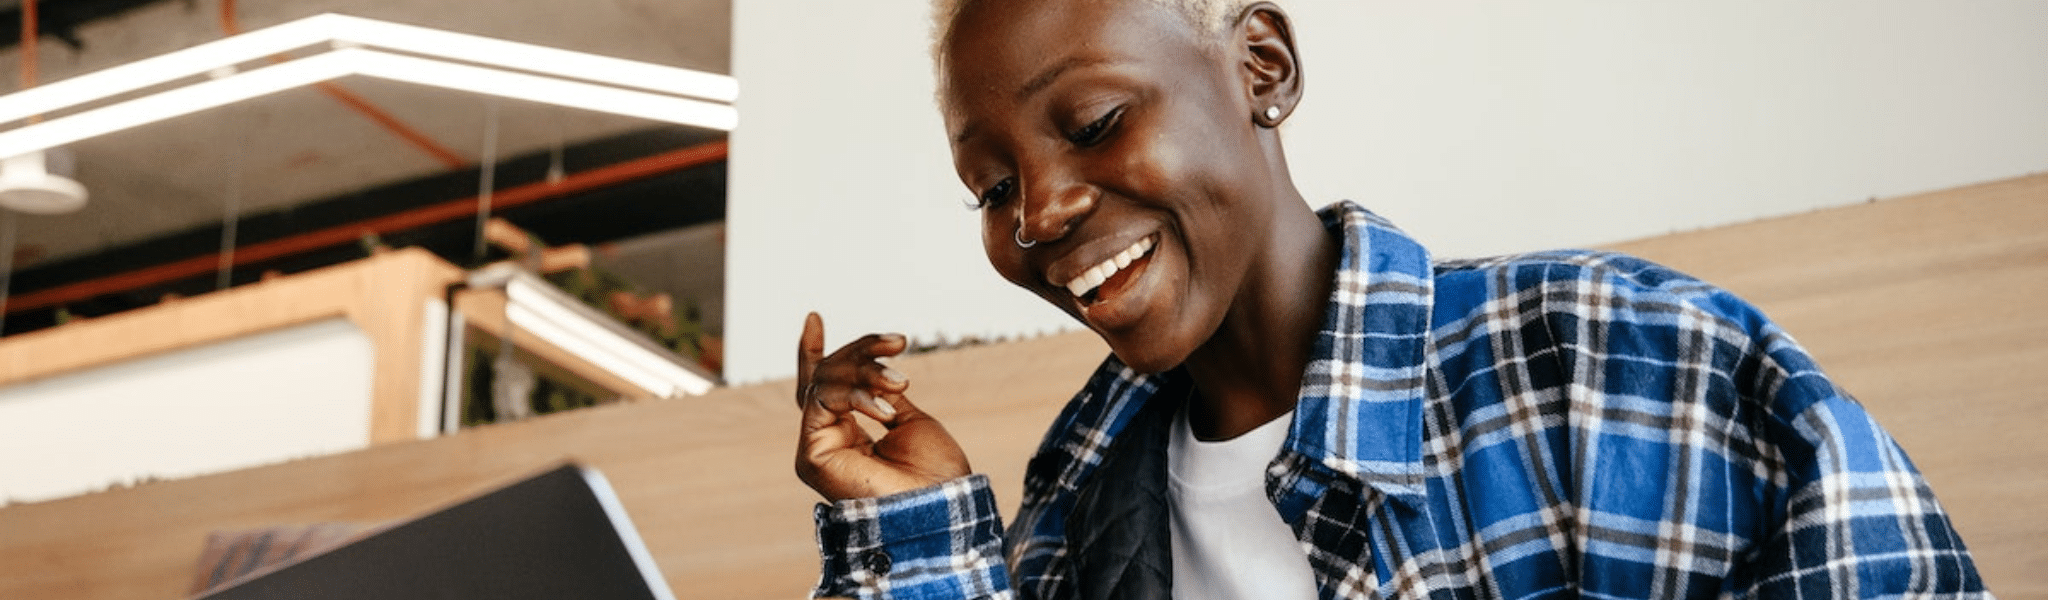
<point x="1228" y="541"/>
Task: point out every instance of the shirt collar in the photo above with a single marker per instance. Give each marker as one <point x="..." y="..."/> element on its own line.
<point x="1360" y="408"/>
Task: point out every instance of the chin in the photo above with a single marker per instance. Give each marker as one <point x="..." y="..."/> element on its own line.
<point x="1148" y="356"/>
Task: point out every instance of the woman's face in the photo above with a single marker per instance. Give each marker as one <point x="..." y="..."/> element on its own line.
<point x="1123" y="152"/>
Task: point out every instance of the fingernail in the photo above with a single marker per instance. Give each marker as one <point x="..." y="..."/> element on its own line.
<point x="888" y="410"/>
<point x="894" y="376"/>
<point x="896" y="338"/>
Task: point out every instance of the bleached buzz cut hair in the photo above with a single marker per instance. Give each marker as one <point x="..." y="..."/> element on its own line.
<point x="1211" y="17"/>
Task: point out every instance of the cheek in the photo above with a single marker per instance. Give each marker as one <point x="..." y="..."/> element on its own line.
<point x="1166" y="167"/>
<point x="1145" y="168"/>
<point x="1001" y="250"/>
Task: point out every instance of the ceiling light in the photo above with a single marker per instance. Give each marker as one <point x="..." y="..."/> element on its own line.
<point x="541" y="311"/>
<point x="549" y="90"/>
<point x="197" y="60"/>
<point x="27" y="185"/>
<point x="433" y="57"/>
<point x="530" y="57"/>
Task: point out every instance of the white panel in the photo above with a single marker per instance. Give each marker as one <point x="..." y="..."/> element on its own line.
<point x="434" y="366"/>
<point x="292" y="393"/>
<point x="841" y="196"/>
<point x="1509" y="126"/>
<point x="1481" y="127"/>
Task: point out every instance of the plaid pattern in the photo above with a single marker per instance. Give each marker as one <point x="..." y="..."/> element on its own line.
<point x="1552" y="424"/>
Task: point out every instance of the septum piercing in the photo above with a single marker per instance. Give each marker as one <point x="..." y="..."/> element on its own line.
<point x="1019" y="237"/>
<point x="1273" y="113"/>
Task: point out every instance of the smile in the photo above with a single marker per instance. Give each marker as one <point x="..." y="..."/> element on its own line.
<point x="1093" y="278"/>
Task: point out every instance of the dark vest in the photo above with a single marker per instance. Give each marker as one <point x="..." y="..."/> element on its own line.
<point x="1120" y="528"/>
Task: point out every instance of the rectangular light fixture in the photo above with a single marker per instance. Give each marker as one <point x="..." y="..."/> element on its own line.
<point x="539" y="310"/>
<point x="430" y="57"/>
<point x="529" y="57"/>
<point x="164" y="68"/>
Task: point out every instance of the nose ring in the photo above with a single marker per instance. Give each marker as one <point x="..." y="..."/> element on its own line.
<point x="1019" y="237"/>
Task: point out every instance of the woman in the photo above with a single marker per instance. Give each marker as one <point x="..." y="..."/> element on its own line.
<point x="1302" y="404"/>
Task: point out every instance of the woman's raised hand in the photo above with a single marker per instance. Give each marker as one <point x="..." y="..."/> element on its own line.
<point x="833" y="454"/>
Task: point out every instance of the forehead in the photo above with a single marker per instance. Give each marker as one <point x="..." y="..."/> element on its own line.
<point x="998" y="46"/>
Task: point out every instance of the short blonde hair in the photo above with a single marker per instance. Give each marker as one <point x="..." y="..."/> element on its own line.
<point x="1211" y="17"/>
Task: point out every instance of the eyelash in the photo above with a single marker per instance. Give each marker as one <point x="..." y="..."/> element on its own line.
<point x="1087" y="136"/>
<point x="995" y="194"/>
<point x="1097" y="131"/>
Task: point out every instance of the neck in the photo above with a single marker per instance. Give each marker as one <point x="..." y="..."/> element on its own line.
<point x="1249" y="372"/>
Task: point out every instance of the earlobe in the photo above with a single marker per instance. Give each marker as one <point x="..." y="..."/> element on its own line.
<point x="1271" y="66"/>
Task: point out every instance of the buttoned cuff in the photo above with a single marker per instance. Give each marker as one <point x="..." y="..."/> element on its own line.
<point x="940" y="541"/>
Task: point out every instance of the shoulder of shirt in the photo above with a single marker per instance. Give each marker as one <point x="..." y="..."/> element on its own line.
<point x="1559" y="265"/>
<point x="1584" y="276"/>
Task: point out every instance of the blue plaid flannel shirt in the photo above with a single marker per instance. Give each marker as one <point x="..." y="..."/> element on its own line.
<point x="1546" y="425"/>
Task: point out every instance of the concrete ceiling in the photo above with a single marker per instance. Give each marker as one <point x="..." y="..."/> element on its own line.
<point x="302" y="145"/>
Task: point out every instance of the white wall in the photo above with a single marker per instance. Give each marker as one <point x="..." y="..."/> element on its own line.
<point x="1480" y="127"/>
<point x="297" y="392"/>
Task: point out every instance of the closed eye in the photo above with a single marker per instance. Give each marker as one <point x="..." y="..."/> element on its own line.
<point x="995" y="194"/>
<point x="1095" y="132"/>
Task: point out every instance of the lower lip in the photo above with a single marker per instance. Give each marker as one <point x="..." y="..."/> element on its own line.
<point x="1111" y="310"/>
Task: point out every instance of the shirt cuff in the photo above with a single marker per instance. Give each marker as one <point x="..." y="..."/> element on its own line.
<point x="940" y="541"/>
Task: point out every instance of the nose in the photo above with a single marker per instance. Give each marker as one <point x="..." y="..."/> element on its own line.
<point x="1052" y="203"/>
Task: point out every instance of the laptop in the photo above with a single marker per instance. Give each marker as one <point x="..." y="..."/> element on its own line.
<point x="559" y="534"/>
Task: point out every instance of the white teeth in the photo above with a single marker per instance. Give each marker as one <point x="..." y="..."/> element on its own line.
<point x="1102" y="272"/>
<point x="1093" y="278"/>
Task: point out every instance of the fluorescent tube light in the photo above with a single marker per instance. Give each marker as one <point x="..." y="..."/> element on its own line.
<point x="499" y="67"/>
<point x="541" y="314"/>
<point x="197" y="60"/>
<point x="533" y="323"/>
<point x="540" y="311"/>
<point x="174" y="103"/>
<point x="550" y="90"/>
<point x="357" y="61"/>
<point x="539" y="59"/>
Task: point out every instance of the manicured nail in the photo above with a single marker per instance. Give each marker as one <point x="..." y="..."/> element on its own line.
<point x="896" y="338"/>
<point x="894" y="376"/>
<point x="882" y="406"/>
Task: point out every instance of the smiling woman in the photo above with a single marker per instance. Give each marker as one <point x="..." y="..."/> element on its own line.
<point x="1303" y="403"/>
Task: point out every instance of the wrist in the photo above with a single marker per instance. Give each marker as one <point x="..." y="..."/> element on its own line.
<point x="865" y="541"/>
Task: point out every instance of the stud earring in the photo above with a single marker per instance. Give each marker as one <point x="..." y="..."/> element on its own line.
<point x="1273" y="113"/>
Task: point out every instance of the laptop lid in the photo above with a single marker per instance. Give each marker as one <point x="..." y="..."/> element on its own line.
<point x="559" y="534"/>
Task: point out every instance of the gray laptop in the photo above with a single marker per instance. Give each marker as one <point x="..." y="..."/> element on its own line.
<point x="559" y="534"/>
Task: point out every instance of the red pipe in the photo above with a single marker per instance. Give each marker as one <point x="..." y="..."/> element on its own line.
<point x="349" y="233"/>
<point x="392" y="124"/>
<point x="29" y="37"/>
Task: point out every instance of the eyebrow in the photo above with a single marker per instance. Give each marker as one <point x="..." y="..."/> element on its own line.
<point x="1053" y="73"/>
<point x="1038" y="84"/>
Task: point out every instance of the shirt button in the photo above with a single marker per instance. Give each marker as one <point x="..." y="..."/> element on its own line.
<point x="877" y="561"/>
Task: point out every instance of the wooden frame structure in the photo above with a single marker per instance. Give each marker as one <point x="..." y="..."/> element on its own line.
<point x="385" y="295"/>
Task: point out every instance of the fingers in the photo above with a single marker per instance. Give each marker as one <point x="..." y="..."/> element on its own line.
<point x="850" y="379"/>
<point x="810" y="348"/>
<point x="838" y="457"/>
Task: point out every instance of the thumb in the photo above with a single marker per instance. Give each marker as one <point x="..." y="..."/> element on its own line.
<point x="810" y="348"/>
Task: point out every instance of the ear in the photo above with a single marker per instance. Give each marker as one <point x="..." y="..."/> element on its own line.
<point x="1271" y="66"/>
